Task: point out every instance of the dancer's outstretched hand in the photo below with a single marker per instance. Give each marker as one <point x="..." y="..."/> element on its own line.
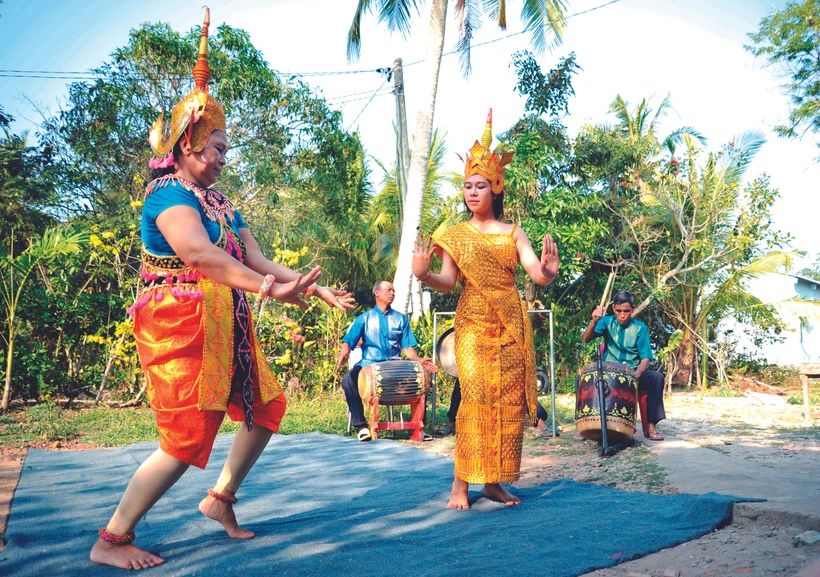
<point x="340" y="299"/>
<point x="290" y="292"/>
<point x="422" y="257"/>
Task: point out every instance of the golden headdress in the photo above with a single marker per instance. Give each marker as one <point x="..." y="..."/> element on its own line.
<point x="481" y="160"/>
<point x="198" y="113"/>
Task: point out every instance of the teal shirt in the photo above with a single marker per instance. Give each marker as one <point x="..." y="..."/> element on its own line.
<point x="626" y="345"/>
<point x="175" y="195"/>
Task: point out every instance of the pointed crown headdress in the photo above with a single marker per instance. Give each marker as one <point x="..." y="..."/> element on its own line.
<point x="198" y="113"/>
<point x="483" y="161"/>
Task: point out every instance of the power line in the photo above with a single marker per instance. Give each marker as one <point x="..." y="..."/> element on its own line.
<point x="91" y="75"/>
<point x="347" y="95"/>
<point x="386" y="78"/>
<point x="506" y="36"/>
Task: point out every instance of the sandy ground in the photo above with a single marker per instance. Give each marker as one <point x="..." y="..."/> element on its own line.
<point x="757" y="542"/>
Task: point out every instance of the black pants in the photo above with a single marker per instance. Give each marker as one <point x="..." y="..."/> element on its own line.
<point x="455" y="401"/>
<point x="350" y="385"/>
<point x="650" y="397"/>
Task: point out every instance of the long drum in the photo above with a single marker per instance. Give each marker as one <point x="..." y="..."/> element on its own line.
<point x="620" y="399"/>
<point x="393" y="382"/>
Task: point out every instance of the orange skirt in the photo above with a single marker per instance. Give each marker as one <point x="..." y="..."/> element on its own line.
<point x="170" y="341"/>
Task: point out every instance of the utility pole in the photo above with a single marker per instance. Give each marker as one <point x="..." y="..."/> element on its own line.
<point x="402" y="165"/>
<point x="402" y="139"/>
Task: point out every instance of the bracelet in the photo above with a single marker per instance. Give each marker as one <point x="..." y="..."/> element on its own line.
<point x="429" y="274"/>
<point x="310" y="290"/>
<point x="266" y="284"/>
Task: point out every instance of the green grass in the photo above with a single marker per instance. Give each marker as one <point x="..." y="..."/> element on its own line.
<point x="109" y="427"/>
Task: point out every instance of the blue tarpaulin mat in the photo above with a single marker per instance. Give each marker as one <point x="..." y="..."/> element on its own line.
<point x="328" y="505"/>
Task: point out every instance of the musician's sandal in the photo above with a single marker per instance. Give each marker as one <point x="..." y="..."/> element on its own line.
<point x="654" y="436"/>
<point x="445" y="431"/>
<point x="364" y="434"/>
<point x="426" y="437"/>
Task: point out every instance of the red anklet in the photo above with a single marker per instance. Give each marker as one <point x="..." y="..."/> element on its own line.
<point x="221" y="497"/>
<point x="109" y="537"/>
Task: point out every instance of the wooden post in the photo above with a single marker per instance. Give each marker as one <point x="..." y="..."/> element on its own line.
<point x="805" y="381"/>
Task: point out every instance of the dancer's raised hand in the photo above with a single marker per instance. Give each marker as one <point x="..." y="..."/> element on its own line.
<point x="422" y="257"/>
<point x="549" y="257"/>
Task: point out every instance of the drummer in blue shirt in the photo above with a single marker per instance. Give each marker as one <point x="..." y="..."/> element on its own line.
<point x="384" y="335"/>
<point x="627" y="342"/>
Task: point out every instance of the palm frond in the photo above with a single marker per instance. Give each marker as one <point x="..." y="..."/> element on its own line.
<point x="546" y="22"/>
<point x="468" y="14"/>
<point x="398" y="14"/>
<point x="354" y="35"/>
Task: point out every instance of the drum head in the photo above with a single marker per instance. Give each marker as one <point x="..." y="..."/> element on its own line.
<point x="446" y="352"/>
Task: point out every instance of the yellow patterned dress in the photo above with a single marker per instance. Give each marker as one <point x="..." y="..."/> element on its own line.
<point x="494" y="355"/>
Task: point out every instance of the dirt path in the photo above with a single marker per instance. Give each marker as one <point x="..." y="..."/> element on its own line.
<point x="11" y="464"/>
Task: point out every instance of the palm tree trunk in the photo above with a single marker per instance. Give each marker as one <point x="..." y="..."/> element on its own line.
<point x="415" y="290"/>
<point x="421" y="155"/>
<point x="4" y="406"/>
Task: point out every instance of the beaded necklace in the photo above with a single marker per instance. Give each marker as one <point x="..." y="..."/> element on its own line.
<point x="216" y="205"/>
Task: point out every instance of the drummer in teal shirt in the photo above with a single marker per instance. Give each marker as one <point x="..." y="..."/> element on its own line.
<point x="626" y="342"/>
<point x="384" y="334"/>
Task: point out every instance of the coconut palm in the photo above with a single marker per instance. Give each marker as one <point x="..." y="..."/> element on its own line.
<point x="543" y="19"/>
<point x="389" y="202"/>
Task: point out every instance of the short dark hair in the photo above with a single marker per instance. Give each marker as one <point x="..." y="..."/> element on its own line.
<point x="623" y="297"/>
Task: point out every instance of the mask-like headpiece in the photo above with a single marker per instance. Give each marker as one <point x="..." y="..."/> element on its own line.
<point x="481" y="160"/>
<point x="198" y="113"/>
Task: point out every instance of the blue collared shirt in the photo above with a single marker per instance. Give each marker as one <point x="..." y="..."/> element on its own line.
<point x="626" y="345"/>
<point x="383" y="335"/>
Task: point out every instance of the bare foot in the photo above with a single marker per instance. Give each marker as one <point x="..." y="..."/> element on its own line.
<point x="223" y="512"/>
<point x="496" y="492"/>
<point x="458" y="495"/>
<point x="123" y="556"/>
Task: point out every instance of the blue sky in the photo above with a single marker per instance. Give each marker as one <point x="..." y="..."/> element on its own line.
<point x="692" y="49"/>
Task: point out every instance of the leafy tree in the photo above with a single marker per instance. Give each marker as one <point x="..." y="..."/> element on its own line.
<point x="789" y="40"/>
<point x="27" y="200"/>
<point x="16" y="271"/>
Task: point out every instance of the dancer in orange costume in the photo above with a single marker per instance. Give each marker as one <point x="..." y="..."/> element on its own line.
<point x="193" y="326"/>
<point x="494" y="348"/>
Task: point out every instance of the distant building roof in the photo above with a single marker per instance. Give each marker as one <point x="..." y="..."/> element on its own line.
<point x="805" y="279"/>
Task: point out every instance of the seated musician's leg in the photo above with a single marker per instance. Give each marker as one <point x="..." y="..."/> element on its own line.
<point x="577" y="436"/>
<point x="651" y="384"/>
<point x="455" y="400"/>
<point x="350" y="385"/>
<point x="542" y="415"/>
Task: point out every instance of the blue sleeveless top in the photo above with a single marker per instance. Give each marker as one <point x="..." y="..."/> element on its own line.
<point x="174" y="194"/>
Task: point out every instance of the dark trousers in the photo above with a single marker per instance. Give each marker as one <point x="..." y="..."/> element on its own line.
<point x="350" y="385"/>
<point x="650" y="399"/>
<point x="455" y="401"/>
